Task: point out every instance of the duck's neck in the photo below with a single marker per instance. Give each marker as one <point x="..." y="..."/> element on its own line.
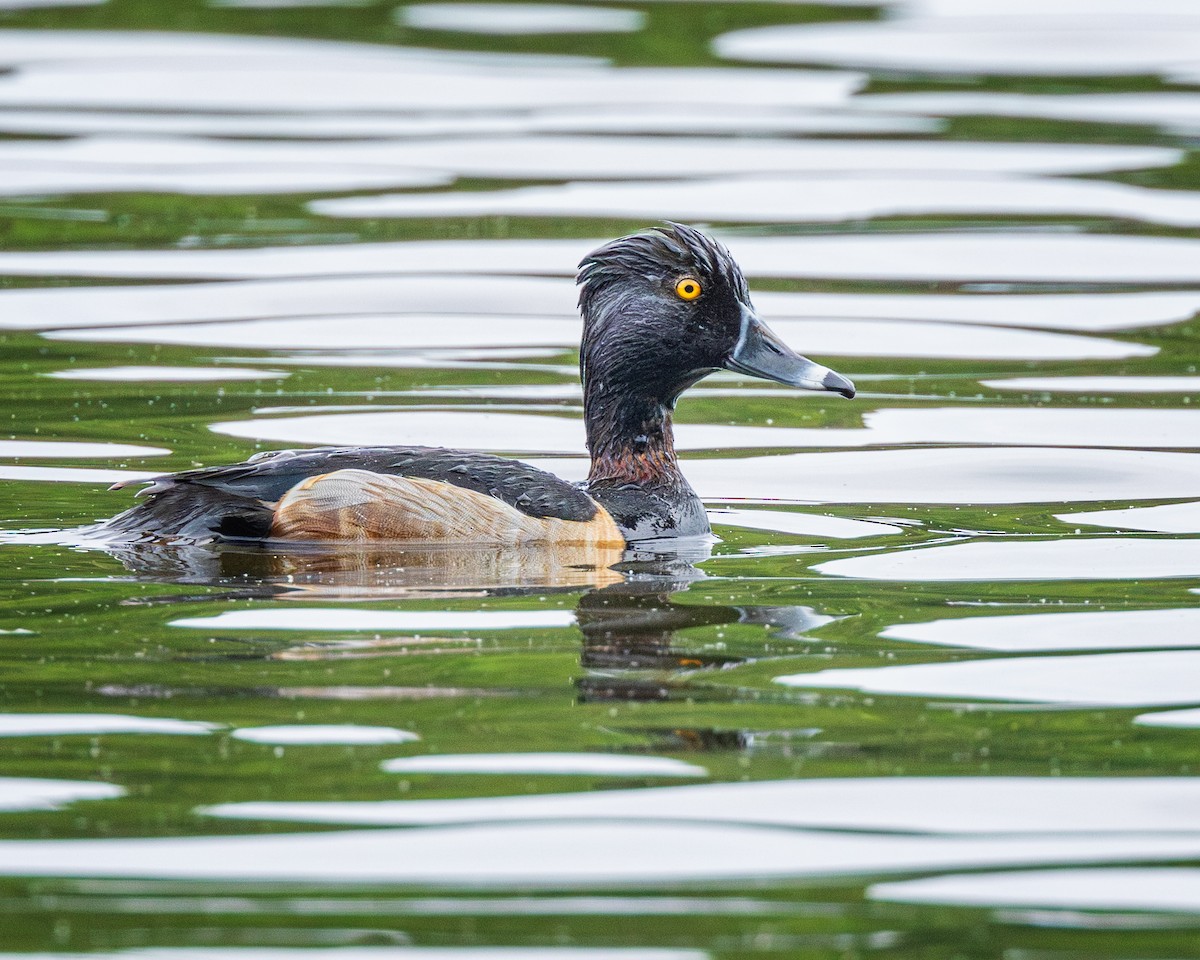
<point x="629" y="437"/>
<point x="635" y="475"/>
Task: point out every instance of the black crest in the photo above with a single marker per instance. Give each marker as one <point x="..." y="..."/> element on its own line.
<point x="667" y="252"/>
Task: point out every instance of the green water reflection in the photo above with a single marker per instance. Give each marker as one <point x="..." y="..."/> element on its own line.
<point x="672" y="655"/>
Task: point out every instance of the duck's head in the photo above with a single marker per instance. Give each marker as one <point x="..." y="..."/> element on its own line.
<point x="664" y="309"/>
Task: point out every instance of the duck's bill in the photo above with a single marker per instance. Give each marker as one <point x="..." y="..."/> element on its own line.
<point x="760" y="353"/>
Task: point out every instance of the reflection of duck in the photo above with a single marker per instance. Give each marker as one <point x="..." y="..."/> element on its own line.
<point x="633" y="626"/>
<point x="660" y="311"/>
<point x="370" y="571"/>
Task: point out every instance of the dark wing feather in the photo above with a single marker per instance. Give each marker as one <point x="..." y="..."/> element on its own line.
<point x="237" y="501"/>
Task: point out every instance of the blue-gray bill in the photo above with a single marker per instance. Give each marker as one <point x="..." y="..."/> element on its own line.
<point x="760" y="353"/>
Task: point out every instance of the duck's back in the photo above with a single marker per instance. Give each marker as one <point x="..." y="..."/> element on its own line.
<point x="426" y="494"/>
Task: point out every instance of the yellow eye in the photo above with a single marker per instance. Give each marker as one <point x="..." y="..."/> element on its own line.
<point x="688" y="288"/>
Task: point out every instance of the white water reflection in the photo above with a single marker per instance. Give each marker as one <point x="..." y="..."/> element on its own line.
<point x="438" y="359"/>
<point x="1041" y="42"/>
<point x="1174" y="719"/>
<point x="429" y="162"/>
<point x="519" y="18"/>
<point x="1174" y="112"/>
<point x="1052" y="311"/>
<point x="1108" y="679"/>
<point x="476" y="430"/>
<point x="922" y="805"/>
<point x="743" y="119"/>
<point x="48" y="449"/>
<point x="785" y="200"/>
<point x="286" y="4"/>
<point x="407" y="952"/>
<point x="1091" y="630"/>
<point x="1130" y="888"/>
<point x="1168" y="518"/>
<point x="800" y="524"/>
<point x="1057" y="257"/>
<point x="348" y="299"/>
<point x="1039" y="11"/>
<point x="167" y="374"/>
<point x="29" y="793"/>
<point x="317" y="618"/>
<point x="97" y="724"/>
<point x="71" y="474"/>
<point x="1101" y="385"/>
<point x="120" y="166"/>
<point x="563" y="157"/>
<point x="533" y="433"/>
<point x="570" y="855"/>
<point x="545" y="764"/>
<point x="177" y="72"/>
<point x="100" y="164"/>
<point x="1078" y="558"/>
<point x="374" y="332"/>
<point x="517" y="299"/>
<point x="966" y="475"/>
<point x="323" y="734"/>
<point x="876" y="338"/>
<point x="36" y="4"/>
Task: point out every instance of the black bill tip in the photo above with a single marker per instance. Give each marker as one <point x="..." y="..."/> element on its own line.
<point x="836" y="383"/>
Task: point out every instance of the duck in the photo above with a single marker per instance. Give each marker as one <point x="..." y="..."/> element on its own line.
<point x="662" y="309"/>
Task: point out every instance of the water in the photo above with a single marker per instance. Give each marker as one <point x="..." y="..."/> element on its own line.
<point x="935" y="693"/>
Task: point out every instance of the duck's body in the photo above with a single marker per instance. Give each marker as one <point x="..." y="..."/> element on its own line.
<point x="661" y="311"/>
<point x="421" y="494"/>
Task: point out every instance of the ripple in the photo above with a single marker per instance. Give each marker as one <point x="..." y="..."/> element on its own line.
<point x="1100" y="385"/>
<point x="132" y="165"/>
<point x="27" y="793"/>
<point x="1130" y="888"/>
<point x="1092" y="630"/>
<point x="531" y="433"/>
<point x="1057" y="311"/>
<point x="896" y="338"/>
<point x="923" y="805"/>
<point x="570" y="855"/>
<point x="564" y="157"/>
<point x="545" y="764"/>
<point x="1175" y="719"/>
<point x="800" y="524"/>
<point x="519" y="18"/>
<point x="401" y="332"/>
<point x="1021" y="42"/>
<point x="964" y="257"/>
<point x="45" y="449"/>
<point x="711" y="118"/>
<point x="1102" y="680"/>
<point x="516" y="299"/>
<point x="407" y="952"/>
<point x="166" y="374"/>
<point x="342" y="620"/>
<point x="969" y="475"/>
<point x="1169" y="518"/>
<point x="1174" y="112"/>
<point x="96" y="724"/>
<point x="829" y="198"/>
<point x="368" y="301"/>
<point x="286" y="4"/>
<point x="1080" y="558"/>
<point x="233" y="166"/>
<point x="39" y="4"/>
<point x="71" y="474"/>
<point x="318" y="734"/>
<point x="190" y="72"/>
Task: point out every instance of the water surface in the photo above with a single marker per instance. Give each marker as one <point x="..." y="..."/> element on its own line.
<point x="933" y="693"/>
